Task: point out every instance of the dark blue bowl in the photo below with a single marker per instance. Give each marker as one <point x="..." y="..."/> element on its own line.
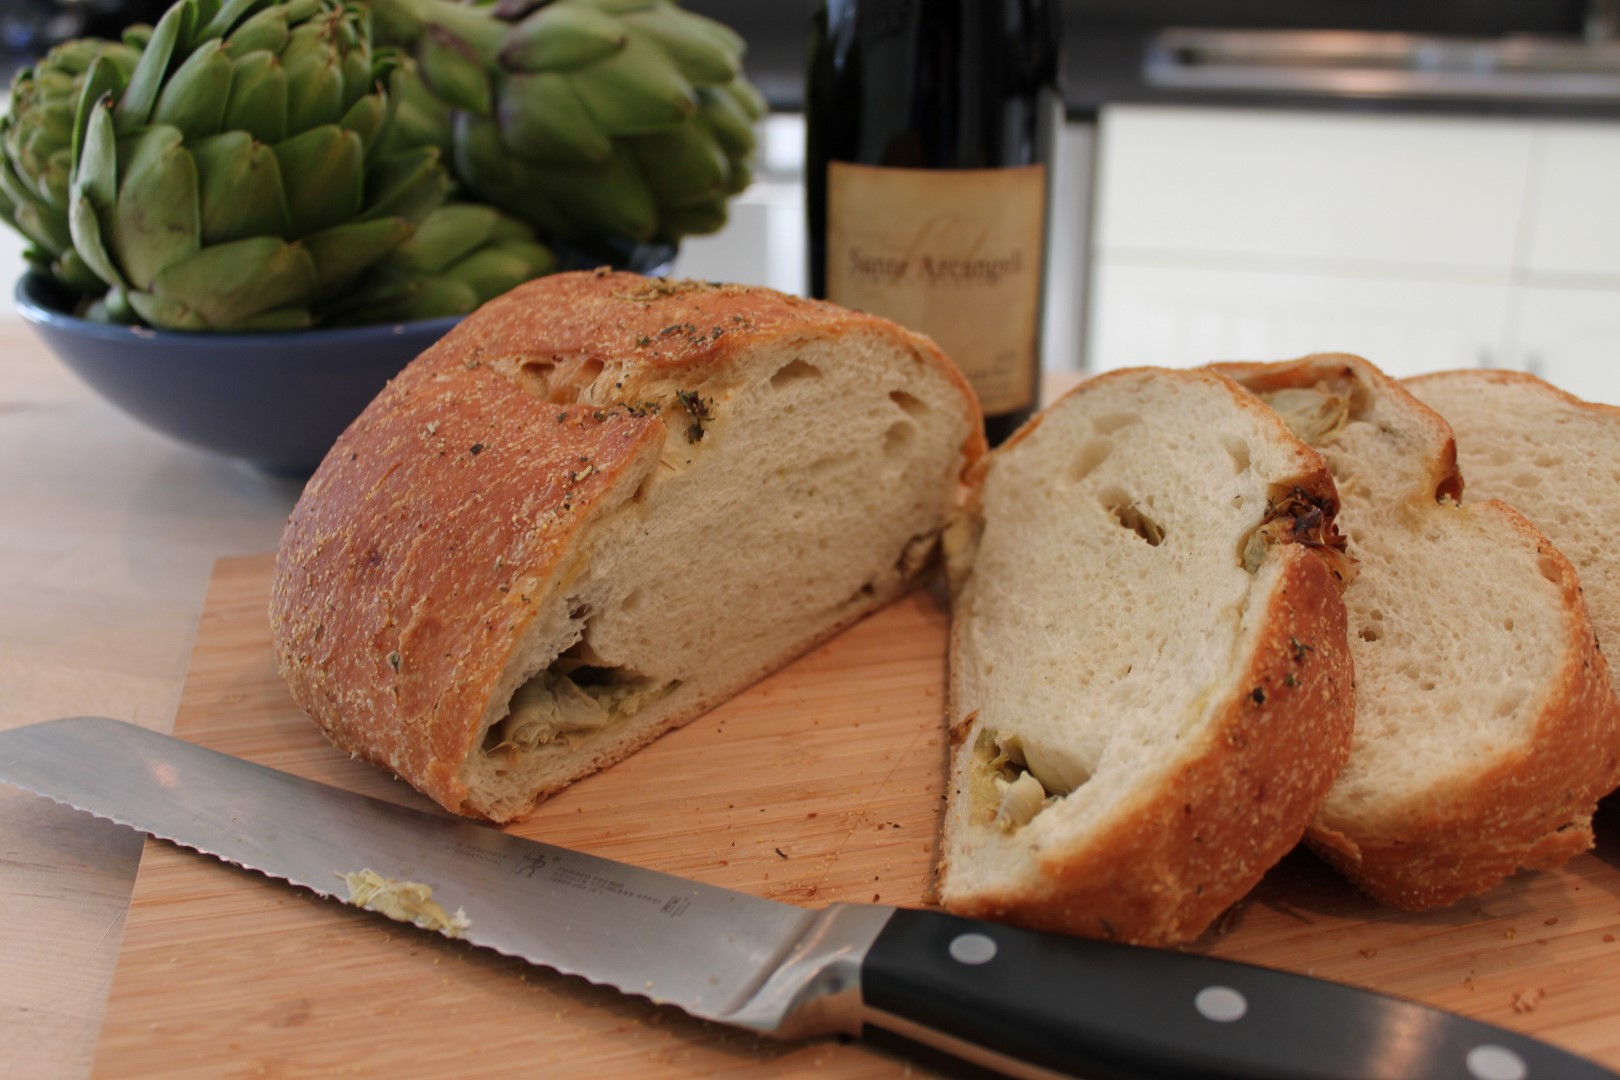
<point x="277" y="401"/>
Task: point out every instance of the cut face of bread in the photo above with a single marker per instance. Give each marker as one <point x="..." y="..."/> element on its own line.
<point x="1485" y="724"/>
<point x="1549" y="455"/>
<point x="650" y="521"/>
<point x="1149" y="681"/>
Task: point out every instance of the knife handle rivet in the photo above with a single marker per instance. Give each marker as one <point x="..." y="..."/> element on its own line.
<point x="972" y="949"/>
<point x="1221" y="1004"/>
<point x="1490" y="1062"/>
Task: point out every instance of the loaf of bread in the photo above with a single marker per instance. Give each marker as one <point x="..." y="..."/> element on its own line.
<point x="1551" y="456"/>
<point x="1150" y="685"/>
<point x="601" y="505"/>
<point x="1486" y="728"/>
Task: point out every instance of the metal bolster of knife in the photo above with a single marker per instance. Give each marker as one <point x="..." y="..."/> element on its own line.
<point x="816" y="988"/>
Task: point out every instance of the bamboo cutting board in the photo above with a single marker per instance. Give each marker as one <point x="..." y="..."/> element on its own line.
<point x="821" y="784"/>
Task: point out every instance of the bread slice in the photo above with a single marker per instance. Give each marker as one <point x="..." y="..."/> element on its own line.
<point x="1551" y="456"/>
<point x="1150" y="682"/>
<point x="598" y="507"/>
<point x="1486" y="728"/>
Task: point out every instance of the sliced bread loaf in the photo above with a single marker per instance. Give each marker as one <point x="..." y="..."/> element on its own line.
<point x="599" y="506"/>
<point x="1150" y="684"/>
<point x="1551" y="456"/>
<point x="1486" y="728"/>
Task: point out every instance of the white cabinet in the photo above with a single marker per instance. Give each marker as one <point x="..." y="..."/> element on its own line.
<point x="1420" y="242"/>
<point x="1183" y="316"/>
<point x="1571" y="338"/>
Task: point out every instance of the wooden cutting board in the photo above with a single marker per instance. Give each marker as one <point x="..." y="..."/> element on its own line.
<point x="824" y="783"/>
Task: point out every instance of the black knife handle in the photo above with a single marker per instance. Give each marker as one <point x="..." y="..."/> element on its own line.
<point x="1048" y="1003"/>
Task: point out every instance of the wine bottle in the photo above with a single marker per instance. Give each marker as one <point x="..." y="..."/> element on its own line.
<point x="930" y="126"/>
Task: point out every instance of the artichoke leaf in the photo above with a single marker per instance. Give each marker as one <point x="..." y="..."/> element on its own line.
<point x="107" y="78"/>
<point x="31" y="215"/>
<point x="408" y="185"/>
<point x="225" y="286"/>
<point x="683" y="166"/>
<point x="495" y="176"/>
<point x="323" y="175"/>
<point x="746" y="96"/>
<point x="450" y="234"/>
<point x="561" y="37"/>
<point x="225" y="15"/>
<point x="705" y="52"/>
<point x="85" y="224"/>
<point x="146" y="81"/>
<point x="697" y="219"/>
<point x="96" y="176"/>
<point x="265" y="31"/>
<point x="451" y="69"/>
<point x="239" y="188"/>
<point x="543" y="119"/>
<point x="620" y="7"/>
<point x="601" y="200"/>
<point x="498" y="269"/>
<point x="314" y="79"/>
<point x="155" y="219"/>
<point x="194" y="98"/>
<point x="722" y="116"/>
<point x="366" y="118"/>
<point x="639" y="90"/>
<point x="344" y="252"/>
<point x="257" y="102"/>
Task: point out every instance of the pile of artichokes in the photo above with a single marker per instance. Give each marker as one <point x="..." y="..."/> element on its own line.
<point x="278" y="164"/>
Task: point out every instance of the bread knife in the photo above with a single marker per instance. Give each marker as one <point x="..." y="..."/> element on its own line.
<point x="1019" y="1002"/>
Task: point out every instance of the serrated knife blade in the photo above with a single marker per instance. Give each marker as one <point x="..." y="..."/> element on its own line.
<point x="1024" y="1003"/>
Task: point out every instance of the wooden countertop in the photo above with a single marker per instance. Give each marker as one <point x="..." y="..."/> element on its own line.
<point x="108" y="534"/>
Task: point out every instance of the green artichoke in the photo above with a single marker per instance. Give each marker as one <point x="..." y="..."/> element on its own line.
<point x="594" y="120"/>
<point x="461" y="255"/>
<point x="237" y="179"/>
<point x="36" y="147"/>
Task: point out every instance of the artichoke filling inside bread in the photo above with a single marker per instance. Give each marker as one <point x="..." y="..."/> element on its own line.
<point x="599" y="507"/>
<point x="1150" y="683"/>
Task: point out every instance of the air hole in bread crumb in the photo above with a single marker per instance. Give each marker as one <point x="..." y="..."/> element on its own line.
<point x="631" y="601"/>
<point x="1092" y="454"/>
<point x="910" y="403"/>
<point x="534" y="376"/>
<point x="1525" y="480"/>
<point x="1507" y="624"/>
<point x="1108" y="423"/>
<point x="898" y="439"/>
<point x="793" y="372"/>
<point x="1370" y="633"/>
<point x="1239" y="451"/>
<point x="1131" y="515"/>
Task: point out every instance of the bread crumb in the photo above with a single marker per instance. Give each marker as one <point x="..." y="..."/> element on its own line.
<point x="1369" y="953"/>
<point x="1525" y="1001"/>
<point x="1551" y="922"/>
<point x="1608" y="937"/>
<point x="1510" y="932"/>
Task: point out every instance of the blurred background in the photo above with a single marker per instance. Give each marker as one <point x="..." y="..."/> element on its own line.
<point x="1431" y="185"/>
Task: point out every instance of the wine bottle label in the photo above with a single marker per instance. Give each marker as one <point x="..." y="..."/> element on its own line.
<point x="952" y="253"/>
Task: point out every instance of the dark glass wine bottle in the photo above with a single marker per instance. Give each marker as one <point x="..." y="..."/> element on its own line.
<point x="930" y="130"/>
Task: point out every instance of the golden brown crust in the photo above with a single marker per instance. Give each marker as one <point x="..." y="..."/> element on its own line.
<point x="1532" y="809"/>
<point x="415" y="558"/>
<point x="1173" y="863"/>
